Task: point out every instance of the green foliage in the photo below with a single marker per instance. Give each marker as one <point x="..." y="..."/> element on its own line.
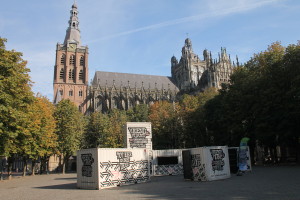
<point x="42" y="128"/>
<point x="15" y="98"/>
<point x="105" y="130"/>
<point x="166" y="127"/>
<point x="139" y="113"/>
<point x="192" y="118"/>
<point x="262" y="101"/>
<point x="70" y="125"/>
<point x="97" y="128"/>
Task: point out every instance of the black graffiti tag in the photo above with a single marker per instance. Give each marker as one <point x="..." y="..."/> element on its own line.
<point x="124" y="158"/>
<point x="87" y="161"/>
<point x="196" y="160"/>
<point x="138" y="137"/>
<point x="217" y="163"/>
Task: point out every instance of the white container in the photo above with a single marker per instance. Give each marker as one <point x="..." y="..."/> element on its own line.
<point x="167" y="162"/>
<point x="210" y="163"/>
<point x="138" y="135"/>
<point x="102" y="168"/>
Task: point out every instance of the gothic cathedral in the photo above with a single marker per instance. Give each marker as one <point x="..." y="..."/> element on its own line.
<point x="112" y="90"/>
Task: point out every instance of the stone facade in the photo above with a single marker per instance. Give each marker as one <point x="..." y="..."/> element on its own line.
<point x="191" y="74"/>
<point x="110" y="90"/>
<point x="123" y="91"/>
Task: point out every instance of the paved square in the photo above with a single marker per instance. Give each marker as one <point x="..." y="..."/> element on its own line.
<point x="280" y="183"/>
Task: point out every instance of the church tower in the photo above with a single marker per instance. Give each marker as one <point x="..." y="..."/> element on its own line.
<point x="71" y="66"/>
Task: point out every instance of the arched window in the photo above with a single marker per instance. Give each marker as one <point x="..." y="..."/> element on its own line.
<point x="73" y="24"/>
<point x="81" y="61"/>
<point x="61" y="92"/>
<point x="71" y="93"/>
<point x="70" y="74"/>
<point x="73" y="74"/>
<point x="72" y="60"/>
<point x="61" y="73"/>
<point x="63" y="59"/>
<point x="81" y="74"/>
<point x="80" y="93"/>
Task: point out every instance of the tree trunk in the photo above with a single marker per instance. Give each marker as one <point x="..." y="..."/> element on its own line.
<point x="63" y="166"/>
<point x="25" y="167"/>
<point x="32" y="168"/>
<point x="60" y="166"/>
<point x="65" y="162"/>
<point x="47" y="164"/>
<point x="10" y="161"/>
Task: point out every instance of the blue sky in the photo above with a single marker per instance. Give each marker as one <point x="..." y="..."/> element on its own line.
<point x="140" y="36"/>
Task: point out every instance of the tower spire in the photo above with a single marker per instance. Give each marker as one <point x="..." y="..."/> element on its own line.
<point x="73" y="32"/>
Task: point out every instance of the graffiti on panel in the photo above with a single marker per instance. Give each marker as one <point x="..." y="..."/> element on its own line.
<point x="217" y="162"/>
<point x="135" y="171"/>
<point x="124" y="158"/>
<point x="87" y="161"/>
<point x="198" y="168"/>
<point x="138" y="137"/>
<point x="161" y="170"/>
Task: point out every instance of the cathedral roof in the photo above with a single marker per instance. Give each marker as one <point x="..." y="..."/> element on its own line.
<point x="138" y="80"/>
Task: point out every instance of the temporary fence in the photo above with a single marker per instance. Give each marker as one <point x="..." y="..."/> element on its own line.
<point x="206" y="163"/>
<point x="236" y="157"/>
<point x="167" y="162"/>
<point x="102" y="168"/>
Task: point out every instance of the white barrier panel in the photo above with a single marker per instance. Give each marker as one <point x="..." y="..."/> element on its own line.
<point x="210" y="163"/>
<point x="138" y="135"/>
<point x="246" y="157"/>
<point x="167" y="162"/>
<point x="102" y="168"/>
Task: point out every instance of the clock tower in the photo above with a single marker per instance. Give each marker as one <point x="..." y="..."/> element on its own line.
<point x="71" y="66"/>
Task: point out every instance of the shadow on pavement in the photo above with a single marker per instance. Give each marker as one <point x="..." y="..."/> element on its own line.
<point x="68" y="186"/>
<point x="70" y="178"/>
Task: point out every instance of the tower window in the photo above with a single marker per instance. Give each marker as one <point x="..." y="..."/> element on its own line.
<point x="72" y="60"/>
<point x="62" y="59"/>
<point x="81" y="74"/>
<point x="71" y="74"/>
<point x="61" y="73"/>
<point x="73" y="24"/>
<point x="80" y="93"/>
<point x="71" y="93"/>
<point x="61" y="92"/>
<point x="81" y="61"/>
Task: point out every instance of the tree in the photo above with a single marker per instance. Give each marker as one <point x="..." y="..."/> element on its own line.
<point x="261" y="102"/>
<point x="15" y="98"/>
<point x="115" y="135"/>
<point x="105" y="130"/>
<point x="39" y="140"/>
<point x="97" y="130"/>
<point x="166" y="130"/>
<point x="138" y="113"/>
<point x="192" y="115"/>
<point x="70" y="125"/>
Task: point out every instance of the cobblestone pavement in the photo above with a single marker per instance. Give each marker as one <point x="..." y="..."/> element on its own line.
<point x="263" y="183"/>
